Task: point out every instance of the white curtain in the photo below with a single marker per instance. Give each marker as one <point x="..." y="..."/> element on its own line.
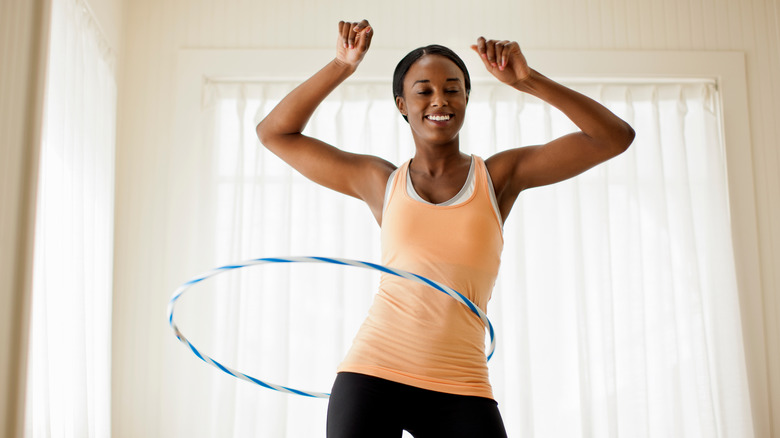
<point x="616" y="308"/>
<point x="70" y="352"/>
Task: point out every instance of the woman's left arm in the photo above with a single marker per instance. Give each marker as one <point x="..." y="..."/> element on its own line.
<point x="602" y="134"/>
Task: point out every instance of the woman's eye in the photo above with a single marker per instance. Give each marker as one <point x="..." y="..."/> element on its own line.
<point x="424" y="92"/>
<point x="452" y="91"/>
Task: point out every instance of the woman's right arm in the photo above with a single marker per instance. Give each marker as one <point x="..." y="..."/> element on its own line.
<point x="361" y="176"/>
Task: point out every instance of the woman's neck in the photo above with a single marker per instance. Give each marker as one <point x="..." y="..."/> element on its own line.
<point x="434" y="160"/>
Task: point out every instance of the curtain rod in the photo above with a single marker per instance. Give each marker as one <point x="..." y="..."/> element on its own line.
<point x="386" y="81"/>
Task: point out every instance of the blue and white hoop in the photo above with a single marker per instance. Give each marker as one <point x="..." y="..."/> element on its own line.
<point x="336" y="261"/>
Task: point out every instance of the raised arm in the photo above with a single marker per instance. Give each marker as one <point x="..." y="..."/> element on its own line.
<point x="602" y="134"/>
<point x="361" y="176"/>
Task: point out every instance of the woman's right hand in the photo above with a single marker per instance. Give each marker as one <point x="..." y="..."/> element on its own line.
<point x="353" y="42"/>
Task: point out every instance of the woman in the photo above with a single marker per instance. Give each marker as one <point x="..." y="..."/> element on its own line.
<point x="418" y="361"/>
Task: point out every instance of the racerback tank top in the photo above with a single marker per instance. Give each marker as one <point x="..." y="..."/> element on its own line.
<point x="414" y="334"/>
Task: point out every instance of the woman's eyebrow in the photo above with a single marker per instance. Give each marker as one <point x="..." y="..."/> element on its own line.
<point x="428" y="80"/>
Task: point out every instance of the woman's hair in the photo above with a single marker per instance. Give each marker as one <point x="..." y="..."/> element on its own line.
<point x="434" y="49"/>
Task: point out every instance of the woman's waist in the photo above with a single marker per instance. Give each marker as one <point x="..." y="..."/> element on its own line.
<point x="425" y="320"/>
<point x="474" y="284"/>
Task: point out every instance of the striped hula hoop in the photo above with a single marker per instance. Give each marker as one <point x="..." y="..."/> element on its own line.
<point x="336" y="261"/>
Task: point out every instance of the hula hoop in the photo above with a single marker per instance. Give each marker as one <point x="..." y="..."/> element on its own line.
<point x="336" y="261"/>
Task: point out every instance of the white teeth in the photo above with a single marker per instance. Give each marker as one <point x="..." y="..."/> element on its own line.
<point x="439" y="118"/>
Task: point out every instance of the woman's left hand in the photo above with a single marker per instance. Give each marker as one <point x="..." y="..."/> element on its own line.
<point x="503" y="59"/>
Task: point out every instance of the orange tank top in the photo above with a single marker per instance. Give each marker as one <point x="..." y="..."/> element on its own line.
<point x="414" y="334"/>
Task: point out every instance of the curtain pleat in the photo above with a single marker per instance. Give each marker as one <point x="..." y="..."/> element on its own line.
<point x="70" y="346"/>
<point x="616" y="307"/>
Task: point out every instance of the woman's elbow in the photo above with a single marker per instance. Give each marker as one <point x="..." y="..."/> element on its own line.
<point x="262" y="132"/>
<point x="622" y="138"/>
<point x="266" y="133"/>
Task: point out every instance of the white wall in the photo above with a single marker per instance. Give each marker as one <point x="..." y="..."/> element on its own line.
<point x="154" y="30"/>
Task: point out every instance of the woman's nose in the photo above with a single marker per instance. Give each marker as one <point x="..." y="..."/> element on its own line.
<point x="439" y="99"/>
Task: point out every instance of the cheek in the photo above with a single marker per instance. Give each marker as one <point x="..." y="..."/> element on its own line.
<point x="417" y="103"/>
<point x="415" y="108"/>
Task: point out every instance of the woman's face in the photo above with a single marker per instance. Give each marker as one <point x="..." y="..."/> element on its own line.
<point x="434" y="99"/>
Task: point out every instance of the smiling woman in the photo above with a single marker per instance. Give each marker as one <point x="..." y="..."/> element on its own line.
<point x="414" y="347"/>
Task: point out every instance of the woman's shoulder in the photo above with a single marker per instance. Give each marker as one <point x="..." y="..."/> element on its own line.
<point x="504" y="165"/>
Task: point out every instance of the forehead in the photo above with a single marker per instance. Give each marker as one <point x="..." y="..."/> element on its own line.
<point x="433" y="68"/>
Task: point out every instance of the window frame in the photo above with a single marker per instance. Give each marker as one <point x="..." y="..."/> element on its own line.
<point x="725" y="68"/>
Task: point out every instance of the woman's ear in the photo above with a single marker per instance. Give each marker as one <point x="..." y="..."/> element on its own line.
<point x="401" y="105"/>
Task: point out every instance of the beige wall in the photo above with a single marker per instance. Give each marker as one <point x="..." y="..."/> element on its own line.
<point x="156" y="29"/>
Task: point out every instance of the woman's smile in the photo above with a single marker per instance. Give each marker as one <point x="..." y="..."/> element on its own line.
<point x="440" y="119"/>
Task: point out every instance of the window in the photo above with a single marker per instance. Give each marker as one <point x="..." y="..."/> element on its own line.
<point x="616" y="308"/>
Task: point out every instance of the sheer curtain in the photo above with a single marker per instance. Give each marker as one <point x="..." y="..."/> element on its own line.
<point x="69" y="368"/>
<point x="616" y="307"/>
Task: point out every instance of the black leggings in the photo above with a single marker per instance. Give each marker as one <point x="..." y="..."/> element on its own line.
<point x="364" y="406"/>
